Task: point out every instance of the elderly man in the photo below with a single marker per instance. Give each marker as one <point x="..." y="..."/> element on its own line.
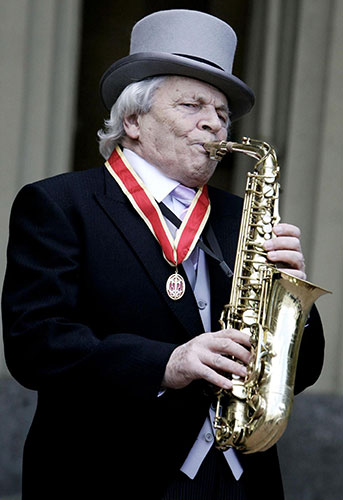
<point x="111" y="314"/>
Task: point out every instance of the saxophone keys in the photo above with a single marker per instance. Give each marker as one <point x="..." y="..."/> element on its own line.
<point x="268" y="191"/>
<point x="269" y="179"/>
<point x="264" y="229"/>
<point x="257" y="405"/>
<point x="250" y="317"/>
<point x="267" y="229"/>
<point x="267" y="218"/>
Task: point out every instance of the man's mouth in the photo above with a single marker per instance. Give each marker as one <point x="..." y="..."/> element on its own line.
<point x="200" y="144"/>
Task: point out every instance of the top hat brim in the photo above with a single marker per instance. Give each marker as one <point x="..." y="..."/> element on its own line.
<point x="143" y="65"/>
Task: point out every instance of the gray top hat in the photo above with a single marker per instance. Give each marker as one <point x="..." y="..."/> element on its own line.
<point x="185" y="43"/>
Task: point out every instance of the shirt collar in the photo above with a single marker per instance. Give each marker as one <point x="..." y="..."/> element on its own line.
<point x="159" y="184"/>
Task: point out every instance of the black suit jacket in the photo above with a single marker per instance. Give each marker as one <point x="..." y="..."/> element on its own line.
<point x="88" y="324"/>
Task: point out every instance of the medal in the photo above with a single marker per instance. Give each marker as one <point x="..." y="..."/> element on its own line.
<point x="174" y="251"/>
<point x="175" y="286"/>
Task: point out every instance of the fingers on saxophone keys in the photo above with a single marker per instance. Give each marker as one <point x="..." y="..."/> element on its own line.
<point x="295" y="272"/>
<point x="231" y="344"/>
<point x="222" y="364"/>
<point x="217" y="379"/>
<point x="283" y="243"/>
<point x="235" y="336"/>
<point x="292" y="259"/>
<point x="284" y="229"/>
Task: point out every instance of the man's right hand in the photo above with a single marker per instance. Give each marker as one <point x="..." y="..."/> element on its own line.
<point x="207" y="357"/>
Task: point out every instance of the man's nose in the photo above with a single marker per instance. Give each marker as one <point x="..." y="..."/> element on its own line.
<point x="210" y="120"/>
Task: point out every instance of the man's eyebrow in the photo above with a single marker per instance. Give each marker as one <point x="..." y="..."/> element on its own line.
<point x="201" y="98"/>
<point x="223" y="107"/>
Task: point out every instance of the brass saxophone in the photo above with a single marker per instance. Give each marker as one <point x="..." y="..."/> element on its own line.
<point x="270" y="305"/>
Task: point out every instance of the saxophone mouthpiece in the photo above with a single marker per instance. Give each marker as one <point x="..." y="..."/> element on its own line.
<point x="217" y="150"/>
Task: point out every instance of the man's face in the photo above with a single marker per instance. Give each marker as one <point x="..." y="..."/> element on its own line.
<point x="185" y="114"/>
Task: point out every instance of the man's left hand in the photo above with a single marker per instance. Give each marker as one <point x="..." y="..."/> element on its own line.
<point x="285" y="249"/>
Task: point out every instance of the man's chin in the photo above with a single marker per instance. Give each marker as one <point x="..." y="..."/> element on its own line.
<point x="197" y="179"/>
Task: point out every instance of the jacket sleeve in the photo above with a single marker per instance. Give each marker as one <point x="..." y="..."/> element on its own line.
<point x="311" y="354"/>
<point x="47" y="341"/>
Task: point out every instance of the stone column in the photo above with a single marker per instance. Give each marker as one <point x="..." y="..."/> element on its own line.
<point x="38" y="59"/>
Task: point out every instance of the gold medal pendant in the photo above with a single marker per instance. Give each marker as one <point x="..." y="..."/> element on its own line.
<point x="175" y="286"/>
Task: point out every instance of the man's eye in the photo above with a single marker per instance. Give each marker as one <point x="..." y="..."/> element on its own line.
<point x="190" y="105"/>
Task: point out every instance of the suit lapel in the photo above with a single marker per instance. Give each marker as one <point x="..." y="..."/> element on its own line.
<point x="148" y="251"/>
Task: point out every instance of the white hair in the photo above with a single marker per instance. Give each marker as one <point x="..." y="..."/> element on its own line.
<point x="136" y="99"/>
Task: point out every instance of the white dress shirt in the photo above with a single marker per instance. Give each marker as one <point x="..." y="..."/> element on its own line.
<point x="160" y="186"/>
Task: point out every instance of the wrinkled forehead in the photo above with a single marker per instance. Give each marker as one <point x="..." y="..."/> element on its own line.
<point x="176" y="88"/>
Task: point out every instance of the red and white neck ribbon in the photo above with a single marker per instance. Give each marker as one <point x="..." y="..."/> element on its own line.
<point x="174" y="251"/>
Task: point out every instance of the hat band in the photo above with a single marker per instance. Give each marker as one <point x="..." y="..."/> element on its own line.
<point x="199" y="59"/>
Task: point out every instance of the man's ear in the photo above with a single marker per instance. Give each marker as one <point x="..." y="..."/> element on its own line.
<point x="131" y="126"/>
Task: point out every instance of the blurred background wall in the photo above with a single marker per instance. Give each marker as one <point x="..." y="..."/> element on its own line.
<point x="52" y="55"/>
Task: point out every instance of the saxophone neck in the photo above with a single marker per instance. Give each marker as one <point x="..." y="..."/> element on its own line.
<point x="251" y="147"/>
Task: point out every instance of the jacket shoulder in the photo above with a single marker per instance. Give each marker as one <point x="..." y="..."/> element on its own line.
<point x="68" y="187"/>
<point x="85" y="179"/>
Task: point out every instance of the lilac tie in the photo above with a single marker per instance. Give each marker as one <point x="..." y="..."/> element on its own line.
<point x="184" y="195"/>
